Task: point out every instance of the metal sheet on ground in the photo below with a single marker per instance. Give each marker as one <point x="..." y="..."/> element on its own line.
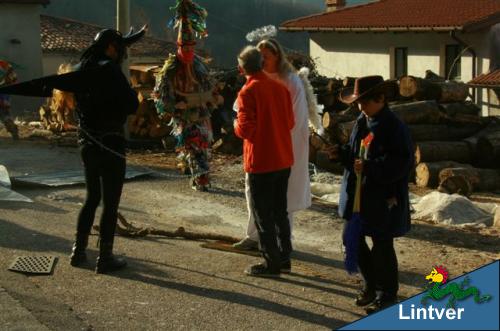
<point x="67" y="178"/>
<point x="4" y="177"/>
<point x="9" y="195"/>
<point x="6" y="194"/>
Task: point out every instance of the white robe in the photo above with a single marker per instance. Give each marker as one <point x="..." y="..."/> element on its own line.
<point x="299" y="185"/>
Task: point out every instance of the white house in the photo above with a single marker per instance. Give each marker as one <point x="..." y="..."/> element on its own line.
<point x="402" y="37"/>
<point x="20" y="42"/>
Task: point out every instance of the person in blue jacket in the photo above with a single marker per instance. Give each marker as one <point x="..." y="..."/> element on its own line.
<point x="385" y="169"/>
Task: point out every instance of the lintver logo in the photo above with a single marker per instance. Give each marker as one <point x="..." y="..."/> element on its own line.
<point x="437" y="291"/>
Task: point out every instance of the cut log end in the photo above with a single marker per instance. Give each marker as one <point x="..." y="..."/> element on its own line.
<point x="407" y="86"/>
<point x="427" y="173"/>
<point x="456" y="185"/>
<point x="422" y="175"/>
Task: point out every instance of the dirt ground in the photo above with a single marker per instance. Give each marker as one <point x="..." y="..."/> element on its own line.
<point x="175" y="283"/>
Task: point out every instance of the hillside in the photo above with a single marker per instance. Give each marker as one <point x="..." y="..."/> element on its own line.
<point x="229" y="21"/>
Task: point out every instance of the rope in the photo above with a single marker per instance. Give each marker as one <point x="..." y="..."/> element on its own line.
<point x="147" y="169"/>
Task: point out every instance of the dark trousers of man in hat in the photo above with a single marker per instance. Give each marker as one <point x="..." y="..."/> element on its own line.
<point x="384" y="193"/>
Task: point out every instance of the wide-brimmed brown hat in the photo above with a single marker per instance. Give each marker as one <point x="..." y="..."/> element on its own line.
<point x="366" y="86"/>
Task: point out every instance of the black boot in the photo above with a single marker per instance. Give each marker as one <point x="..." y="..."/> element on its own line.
<point x="107" y="262"/>
<point x="78" y="255"/>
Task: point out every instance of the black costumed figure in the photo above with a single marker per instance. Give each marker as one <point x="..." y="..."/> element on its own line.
<point x="102" y="113"/>
<point x="104" y="99"/>
<point x="184" y="94"/>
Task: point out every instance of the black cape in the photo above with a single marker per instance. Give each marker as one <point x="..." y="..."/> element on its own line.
<point x="76" y="82"/>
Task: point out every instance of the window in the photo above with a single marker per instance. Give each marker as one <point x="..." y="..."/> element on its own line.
<point x="400" y="61"/>
<point x="453" y="62"/>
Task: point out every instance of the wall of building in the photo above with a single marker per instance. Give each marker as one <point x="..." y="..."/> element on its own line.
<point x="480" y="43"/>
<point x="51" y="62"/>
<point x="362" y="54"/>
<point x="20" y="43"/>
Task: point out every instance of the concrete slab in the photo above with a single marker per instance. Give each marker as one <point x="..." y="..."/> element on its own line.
<point x="13" y="316"/>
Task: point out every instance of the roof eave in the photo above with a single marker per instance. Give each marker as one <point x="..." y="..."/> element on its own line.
<point x="373" y="29"/>
<point x="482" y="24"/>
<point x="483" y="85"/>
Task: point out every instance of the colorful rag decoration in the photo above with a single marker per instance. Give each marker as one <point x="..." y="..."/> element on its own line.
<point x="184" y="93"/>
<point x="7" y="73"/>
<point x="352" y="232"/>
<point x="7" y="76"/>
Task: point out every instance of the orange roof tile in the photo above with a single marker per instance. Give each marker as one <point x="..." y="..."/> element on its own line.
<point x="491" y="79"/>
<point x="382" y="15"/>
<point x="62" y="35"/>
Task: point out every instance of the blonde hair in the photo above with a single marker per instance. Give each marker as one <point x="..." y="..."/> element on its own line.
<point x="284" y="66"/>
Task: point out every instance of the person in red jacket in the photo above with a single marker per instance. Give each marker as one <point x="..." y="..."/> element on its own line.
<point x="265" y="120"/>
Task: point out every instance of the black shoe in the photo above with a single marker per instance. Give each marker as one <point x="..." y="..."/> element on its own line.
<point x="365" y="297"/>
<point x="77" y="259"/>
<point x="379" y="304"/>
<point x="107" y="262"/>
<point x="286" y="267"/>
<point x="261" y="270"/>
<point x="78" y="255"/>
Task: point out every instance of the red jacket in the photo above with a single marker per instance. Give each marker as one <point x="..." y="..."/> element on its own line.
<point x="265" y="118"/>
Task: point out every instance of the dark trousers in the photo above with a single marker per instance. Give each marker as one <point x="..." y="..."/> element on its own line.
<point x="379" y="267"/>
<point x="104" y="176"/>
<point x="269" y="205"/>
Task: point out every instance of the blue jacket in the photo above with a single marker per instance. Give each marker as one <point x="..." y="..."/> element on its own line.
<point x="386" y="170"/>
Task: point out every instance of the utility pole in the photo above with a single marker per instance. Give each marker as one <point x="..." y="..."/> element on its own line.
<point x="123" y="25"/>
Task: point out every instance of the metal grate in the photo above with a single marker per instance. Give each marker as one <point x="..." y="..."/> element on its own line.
<point x="33" y="264"/>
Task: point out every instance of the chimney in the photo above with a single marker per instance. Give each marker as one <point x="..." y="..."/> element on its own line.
<point x="332" y="5"/>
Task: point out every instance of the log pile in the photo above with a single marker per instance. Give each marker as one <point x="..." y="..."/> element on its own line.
<point x="58" y="113"/>
<point x="456" y="150"/>
<point x="145" y="123"/>
<point x="467" y="179"/>
<point x="327" y="91"/>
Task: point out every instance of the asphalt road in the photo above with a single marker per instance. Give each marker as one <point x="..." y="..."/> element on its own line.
<point x="177" y="284"/>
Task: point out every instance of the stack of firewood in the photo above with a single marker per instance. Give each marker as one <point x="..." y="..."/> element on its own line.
<point x="338" y="118"/>
<point x="58" y="114"/>
<point x="462" y="166"/>
<point x="145" y="123"/>
<point x="456" y="150"/>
